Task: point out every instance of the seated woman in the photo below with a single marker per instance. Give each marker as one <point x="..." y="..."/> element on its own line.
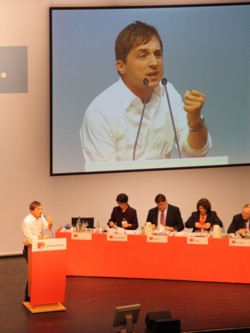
<point x="123" y="215"/>
<point x="204" y="218"/>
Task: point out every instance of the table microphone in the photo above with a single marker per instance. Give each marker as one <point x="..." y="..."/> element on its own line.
<point x="145" y="82"/>
<point x="164" y="83"/>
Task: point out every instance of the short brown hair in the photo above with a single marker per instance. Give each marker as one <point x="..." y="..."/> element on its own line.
<point x="35" y="204"/>
<point x="160" y="198"/>
<point x="132" y="35"/>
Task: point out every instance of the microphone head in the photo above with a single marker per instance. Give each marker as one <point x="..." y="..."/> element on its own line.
<point x="145" y="82"/>
<point x="164" y="81"/>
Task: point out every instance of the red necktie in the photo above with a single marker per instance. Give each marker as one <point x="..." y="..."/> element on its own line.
<point x="162" y="222"/>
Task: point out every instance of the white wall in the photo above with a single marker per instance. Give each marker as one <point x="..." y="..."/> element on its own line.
<point x="24" y="148"/>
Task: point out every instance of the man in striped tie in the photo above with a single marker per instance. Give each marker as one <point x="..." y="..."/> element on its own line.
<point x="165" y="215"/>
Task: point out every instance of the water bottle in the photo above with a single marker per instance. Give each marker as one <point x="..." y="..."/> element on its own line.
<point x="142" y="230"/>
<point x="78" y="224"/>
<point x="98" y="227"/>
<point x="84" y="225"/>
<point x="148" y="229"/>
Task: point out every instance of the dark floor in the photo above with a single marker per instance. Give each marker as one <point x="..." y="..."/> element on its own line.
<point x="90" y="303"/>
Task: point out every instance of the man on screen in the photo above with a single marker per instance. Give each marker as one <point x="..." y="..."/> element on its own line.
<point x="111" y="122"/>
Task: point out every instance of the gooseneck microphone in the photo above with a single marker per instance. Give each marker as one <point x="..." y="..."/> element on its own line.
<point x="41" y="222"/>
<point x="164" y="82"/>
<point x="51" y="232"/>
<point x="146" y="83"/>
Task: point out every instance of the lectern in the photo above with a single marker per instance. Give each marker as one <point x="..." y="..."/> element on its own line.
<point x="46" y="275"/>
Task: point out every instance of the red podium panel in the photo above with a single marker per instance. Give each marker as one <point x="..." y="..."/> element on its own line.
<point x="176" y="259"/>
<point x="46" y="275"/>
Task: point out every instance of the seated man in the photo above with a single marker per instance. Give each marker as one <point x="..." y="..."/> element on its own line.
<point x="165" y="215"/>
<point x="240" y="222"/>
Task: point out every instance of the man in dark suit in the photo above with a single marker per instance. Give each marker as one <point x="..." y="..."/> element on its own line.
<point x="165" y="215"/>
<point x="240" y="222"/>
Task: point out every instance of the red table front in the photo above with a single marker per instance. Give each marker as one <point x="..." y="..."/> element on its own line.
<point x="175" y="260"/>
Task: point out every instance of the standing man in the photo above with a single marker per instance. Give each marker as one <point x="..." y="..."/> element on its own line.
<point x="33" y="226"/>
<point x="111" y="122"/>
<point x="240" y="223"/>
<point x="165" y="215"/>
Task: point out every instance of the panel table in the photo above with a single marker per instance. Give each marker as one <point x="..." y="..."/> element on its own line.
<point x="218" y="261"/>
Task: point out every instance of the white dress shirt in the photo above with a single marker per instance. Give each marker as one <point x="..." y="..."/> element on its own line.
<point x="110" y="126"/>
<point x="33" y="227"/>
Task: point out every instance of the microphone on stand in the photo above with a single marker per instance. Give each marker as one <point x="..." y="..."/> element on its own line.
<point x="41" y="226"/>
<point x="50" y="229"/>
<point x="145" y="82"/>
<point x="164" y="83"/>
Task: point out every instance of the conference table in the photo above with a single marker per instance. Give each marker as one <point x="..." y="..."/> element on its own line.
<point x="186" y="258"/>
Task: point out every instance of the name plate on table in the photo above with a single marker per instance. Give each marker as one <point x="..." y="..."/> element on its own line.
<point x="117" y="237"/>
<point x="197" y="240"/>
<point x="53" y="244"/>
<point x="239" y="242"/>
<point x="157" y="238"/>
<point x="81" y="235"/>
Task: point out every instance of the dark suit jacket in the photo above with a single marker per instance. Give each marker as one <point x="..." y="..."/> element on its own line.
<point x="130" y="215"/>
<point x="212" y="218"/>
<point x="236" y="224"/>
<point x="173" y="218"/>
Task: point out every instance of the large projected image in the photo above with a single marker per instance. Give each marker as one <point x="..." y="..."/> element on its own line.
<point x="149" y="88"/>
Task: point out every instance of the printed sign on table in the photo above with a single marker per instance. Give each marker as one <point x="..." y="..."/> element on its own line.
<point x="81" y="236"/>
<point x="157" y="238"/>
<point x="51" y="244"/>
<point x="239" y="242"/>
<point x="117" y="237"/>
<point x="197" y="240"/>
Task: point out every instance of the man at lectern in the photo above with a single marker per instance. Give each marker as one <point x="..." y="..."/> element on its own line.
<point x="33" y="227"/>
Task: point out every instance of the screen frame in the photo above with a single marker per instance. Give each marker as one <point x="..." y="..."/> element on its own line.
<point x="138" y="168"/>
